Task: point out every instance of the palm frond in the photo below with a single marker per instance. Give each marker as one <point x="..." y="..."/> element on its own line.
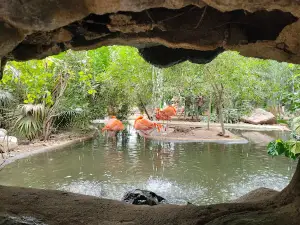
<point x="6" y="98"/>
<point x="38" y="111"/>
<point x="29" y="121"/>
<point x="67" y="117"/>
<point x="29" y="127"/>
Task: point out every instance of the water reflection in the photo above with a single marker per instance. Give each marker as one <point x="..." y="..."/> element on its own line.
<point x="201" y="173"/>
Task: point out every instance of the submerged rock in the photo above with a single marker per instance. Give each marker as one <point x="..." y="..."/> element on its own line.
<point x="258" y="138"/>
<point x="143" y="197"/>
<point x="259" y="116"/>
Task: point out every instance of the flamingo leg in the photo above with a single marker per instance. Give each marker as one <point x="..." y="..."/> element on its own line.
<point x="164" y="125"/>
<point x="167" y="125"/>
<point x="150" y="132"/>
<point x="145" y="133"/>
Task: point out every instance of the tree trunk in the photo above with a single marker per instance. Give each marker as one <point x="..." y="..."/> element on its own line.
<point x="144" y="107"/>
<point x="221" y="117"/>
<point x="209" y="112"/>
<point x="47" y="129"/>
<point x="291" y="192"/>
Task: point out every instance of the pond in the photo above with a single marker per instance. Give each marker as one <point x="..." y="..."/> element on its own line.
<point x="200" y="173"/>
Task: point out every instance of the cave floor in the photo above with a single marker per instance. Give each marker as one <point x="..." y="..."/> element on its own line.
<point x="57" y="207"/>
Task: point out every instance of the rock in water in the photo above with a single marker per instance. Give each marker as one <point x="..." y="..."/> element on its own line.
<point x="143" y="197"/>
<point x="259" y="116"/>
<point x="258" y="138"/>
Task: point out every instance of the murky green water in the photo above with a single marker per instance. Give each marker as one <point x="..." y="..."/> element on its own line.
<point x="201" y="173"/>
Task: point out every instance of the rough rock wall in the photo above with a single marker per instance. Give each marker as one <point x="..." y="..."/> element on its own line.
<point x="191" y="29"/>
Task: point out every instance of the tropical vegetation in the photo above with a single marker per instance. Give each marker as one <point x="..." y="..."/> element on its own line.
<point x="40" y="97"/>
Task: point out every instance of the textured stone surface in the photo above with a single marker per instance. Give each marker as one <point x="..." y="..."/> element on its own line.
<point x="260" y="116"/>
<point x="6" y="219"/>
<point x="292" y="6"/>
<point x="8" y="143"/>
<point x="57" y="207"/>
<point x="264" y="29"/>
<point x="3" y="132"/>
<point x="257" y="195"/>
<point x="143" y="197"/>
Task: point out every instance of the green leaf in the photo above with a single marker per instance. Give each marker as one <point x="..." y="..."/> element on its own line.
<point x="276" y="147"/>
<point x="91" y="91"/>
<point x="294" y="146"/>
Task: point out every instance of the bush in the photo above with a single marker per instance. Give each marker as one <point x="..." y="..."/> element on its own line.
<point x="245" y="107"/>
<point x="213" y="118"/>
<point x="282" y="121"/>
<point x="231" y="115"/>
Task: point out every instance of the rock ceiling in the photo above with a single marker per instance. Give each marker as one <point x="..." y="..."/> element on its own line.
<point x="165" y="32"/>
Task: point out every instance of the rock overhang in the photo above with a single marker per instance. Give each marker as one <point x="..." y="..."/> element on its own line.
<point x="165" y="32"/>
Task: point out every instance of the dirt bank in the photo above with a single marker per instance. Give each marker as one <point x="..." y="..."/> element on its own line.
<point x="57" y="141"/>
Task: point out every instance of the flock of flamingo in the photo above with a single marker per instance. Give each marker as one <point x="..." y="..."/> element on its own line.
<point x="142" y="124"/>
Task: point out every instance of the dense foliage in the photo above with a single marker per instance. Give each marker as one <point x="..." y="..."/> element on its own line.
<point x="290" y="148"/>
<point x="38" y="97"/>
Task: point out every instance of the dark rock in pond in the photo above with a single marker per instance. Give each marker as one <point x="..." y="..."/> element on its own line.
<point x="143" y="197"/>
